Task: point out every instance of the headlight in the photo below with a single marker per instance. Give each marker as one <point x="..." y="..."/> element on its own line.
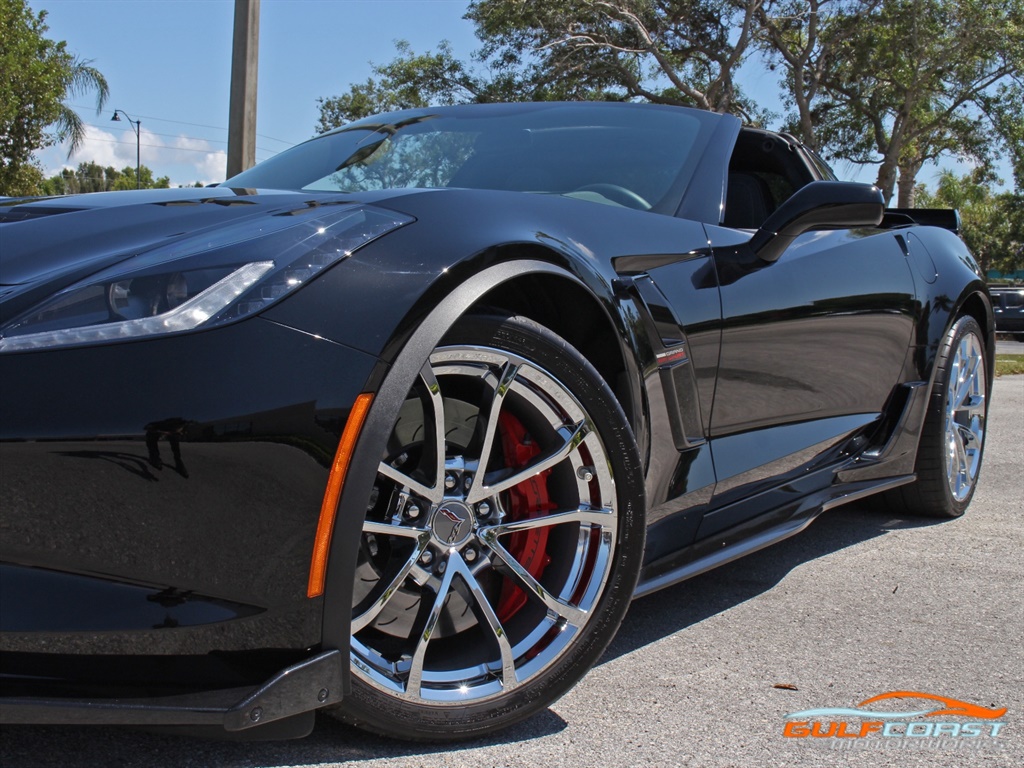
<point x="226" y="277"/>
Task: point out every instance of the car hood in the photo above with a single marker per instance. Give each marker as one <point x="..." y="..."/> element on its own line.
<point x="70" y="237"/>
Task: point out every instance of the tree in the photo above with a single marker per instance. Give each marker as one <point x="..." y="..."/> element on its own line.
<point x="92" y="177"/>
<point x="38" y="76"/>
<point x="914" y="80"/>
<point x="409" y="81"/>
<point x="683" y="52"/>
<point x="126" y="179"/>
<point x="437" y="78"/>
<point x="805" y="37"/>
<point x="993" y="224"/>
<point x="895" y="83"/>
<point x="21" y="180"/>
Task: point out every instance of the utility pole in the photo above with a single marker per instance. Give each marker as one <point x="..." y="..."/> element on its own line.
<point x="242" y="111"/>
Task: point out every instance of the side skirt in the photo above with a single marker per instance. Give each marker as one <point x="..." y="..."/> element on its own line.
<point x="755" y="534"/>
<point x="283" y="707"/>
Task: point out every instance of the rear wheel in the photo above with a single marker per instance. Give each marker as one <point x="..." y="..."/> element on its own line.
<point x="502" y="541"/>
<point x="953" y="439"/>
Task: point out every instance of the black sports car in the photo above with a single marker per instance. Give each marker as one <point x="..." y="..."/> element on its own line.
<point x="399" y="421"/>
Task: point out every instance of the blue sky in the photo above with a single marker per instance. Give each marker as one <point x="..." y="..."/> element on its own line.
<point x="168" y="63"/>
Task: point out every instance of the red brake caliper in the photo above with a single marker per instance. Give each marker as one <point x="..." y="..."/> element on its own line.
<point x="527" y="500"/>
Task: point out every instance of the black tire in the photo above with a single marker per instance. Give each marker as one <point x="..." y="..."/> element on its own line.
<point x="521" y="609"/>
<point x="953" y="439"/>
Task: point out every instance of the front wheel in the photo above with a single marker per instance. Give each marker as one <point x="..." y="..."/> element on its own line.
<point x="953" y="439"/>
<point x="502" y="541"/>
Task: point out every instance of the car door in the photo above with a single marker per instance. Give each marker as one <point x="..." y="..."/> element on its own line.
<point x="812" y="346"/>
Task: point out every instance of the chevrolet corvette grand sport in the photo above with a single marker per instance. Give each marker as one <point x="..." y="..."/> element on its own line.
<point x="399" y="421"/>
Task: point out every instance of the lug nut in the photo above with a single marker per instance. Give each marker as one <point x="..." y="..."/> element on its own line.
<point x="427" y="558"/>
<point x="467" y="483"/>
<point x="586" y="474"/>
<point x="412" y="511"/>
<point x="402" y="458"/>
<point x="483" y="509"/>
<point x="450" y="481"/>
<point x="374" y="496"/>
<point x="469" y="555"/>
<point x="441" y="567"/>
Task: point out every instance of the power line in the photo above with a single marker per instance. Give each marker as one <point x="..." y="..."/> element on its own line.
<point x="172" y="136"/>
<point x="153" y="146"/>
<point x="168" y="135"/>
<point x="164" y="146"/>
<point x="196" y="125"/>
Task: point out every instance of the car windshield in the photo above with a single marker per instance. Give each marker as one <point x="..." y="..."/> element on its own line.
<point x="639" y="156"/>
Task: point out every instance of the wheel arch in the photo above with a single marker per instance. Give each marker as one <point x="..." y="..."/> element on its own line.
<point x="978" y="305"/>
<point x="542" y="297"/>
<point x="519" y="282"/>
<point x="958" y="289"/>
<point x="973" y="301"/>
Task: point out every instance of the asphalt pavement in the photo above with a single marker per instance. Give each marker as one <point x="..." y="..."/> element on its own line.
<point x="703" y="673"/>
<point x="1008" y="346"/>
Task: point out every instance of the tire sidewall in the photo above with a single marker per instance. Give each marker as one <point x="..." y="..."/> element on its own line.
<point x="933" y="447"/>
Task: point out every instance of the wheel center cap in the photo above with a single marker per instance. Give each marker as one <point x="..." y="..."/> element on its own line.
<point x="452" y="524"/>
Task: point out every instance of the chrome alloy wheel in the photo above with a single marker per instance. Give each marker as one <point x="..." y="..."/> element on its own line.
<point x="965" y="415"/>
<point x="490" y="535"/>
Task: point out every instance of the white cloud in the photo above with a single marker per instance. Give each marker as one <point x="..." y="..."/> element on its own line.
<point x="184" y="159"/>
<point x="210" y="163"/>
<point x="101" y="147"/>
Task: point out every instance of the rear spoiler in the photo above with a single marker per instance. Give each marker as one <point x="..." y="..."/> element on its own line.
<point x="947" y="218"/>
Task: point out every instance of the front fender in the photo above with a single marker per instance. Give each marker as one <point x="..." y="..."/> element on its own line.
<point x="389" y="396"/>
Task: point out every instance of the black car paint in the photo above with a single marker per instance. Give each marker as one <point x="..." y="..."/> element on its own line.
<point x="158" y="528"/>
<point x="1008" y="306"/>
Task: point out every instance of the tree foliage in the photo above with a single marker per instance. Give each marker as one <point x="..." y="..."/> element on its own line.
<point x="914" y="80"/>
<point x="38" y="75"/>
<point x="92" y="177"/>
<point x="683" y="52"/>
<point x="993" y="224"/>
<point x="437" y="78"/>
<point x="409" y="81"/>
<point x="806" y="37"/>
<point x="539" y="50"/>
<point x="896" y="83"/>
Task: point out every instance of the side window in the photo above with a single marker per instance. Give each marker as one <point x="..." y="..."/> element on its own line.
<point x="822" y="167"/>
<point x="764" y="171"/>
<point x="780" y="187"/>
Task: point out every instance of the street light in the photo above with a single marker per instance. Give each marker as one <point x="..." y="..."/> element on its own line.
<point x="136" y="126"/>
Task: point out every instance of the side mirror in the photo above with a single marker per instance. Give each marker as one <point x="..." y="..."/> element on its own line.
<point x="818" y="205"/>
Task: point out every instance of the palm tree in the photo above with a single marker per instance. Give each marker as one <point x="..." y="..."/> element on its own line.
<point x="79" y="80"/>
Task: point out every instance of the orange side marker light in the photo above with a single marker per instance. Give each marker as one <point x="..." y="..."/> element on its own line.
<point x="335" y="482"/>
